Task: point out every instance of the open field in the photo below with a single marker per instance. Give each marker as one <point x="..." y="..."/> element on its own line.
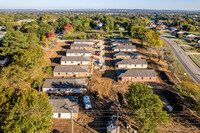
<point x="195" y="60"/>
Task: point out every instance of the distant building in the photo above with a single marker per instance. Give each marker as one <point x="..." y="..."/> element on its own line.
<point x="122" y="28"/>
<point x="64" y="107"/>
<point x="75" y="60"/>
<point x="3" y="60"/>
<point x="71" y="71"/>
<point x="137" y="75"/>
<point x="78" y="52"/>
<point x="2" y="28"/>
<point x="65" y="85"/>
<point x="130" y="63"/>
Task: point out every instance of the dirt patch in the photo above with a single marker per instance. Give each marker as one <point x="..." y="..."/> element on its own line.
<point x="54" y="55"/>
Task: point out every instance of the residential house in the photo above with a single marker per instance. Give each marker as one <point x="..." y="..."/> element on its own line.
<point x="137" y="75"/>
<point x="75" y="60"/>
<point x="172" y="29"/>
<point x="130" y="63"/>
<point x="127" y="55"/>
<point x="78" y="52"/>
<point x="124" y="48"/>
<point x="64" y="107"/>
<point x="122" y="28"/>
<point x="65" y="85"/>
<point x="81" y="46"/>
<point x="84" y="41"/>
<point x="71" y="71"/>
<point x="2" y="28"/>
<point x="3" y="60"/>
<point x="197" y="39"/>
<point x="116" y="43"/>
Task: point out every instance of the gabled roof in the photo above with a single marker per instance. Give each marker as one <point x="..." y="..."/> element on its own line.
<point x="74" y="58"/>
<point x="64" y="104"/>
<point x="81" y="45"/>
<point x="136" y="73"/>
<point x="83" y="40"/>
<point x="131" y="61"/>
<point x="65" y="83"/>
<point x="77" y="51"/>
<point x="125" y="47"/>
<point x="72" y="69"/>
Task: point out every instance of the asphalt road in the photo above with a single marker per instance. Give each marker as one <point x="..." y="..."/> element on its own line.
<point x="192" y="69"/>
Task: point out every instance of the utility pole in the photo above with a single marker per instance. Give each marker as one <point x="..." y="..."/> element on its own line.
<point x="72" y="123"/>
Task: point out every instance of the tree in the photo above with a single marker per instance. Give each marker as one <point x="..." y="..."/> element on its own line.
<point x="14" y="42"/>
<point x="14" y="76"/>
<point x="117" y="27"/>
<point x="68" y="28"/>
<point x="50" y="34"/>
<point x="179" y="36"/>
<point x="146" y="107"/>
<point x="24" y="110"/>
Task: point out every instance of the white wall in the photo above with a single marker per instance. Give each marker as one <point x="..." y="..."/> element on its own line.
<point x="63" y="90"/>
<point x="78" y="54"/>
<point x="63" y="115"/>
<point x="74" y="62"/>
<point x="131" y="66"/>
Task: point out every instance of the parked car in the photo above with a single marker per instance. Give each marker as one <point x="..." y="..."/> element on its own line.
<point x="98" y="53"/>
<point x="87" y="103"/>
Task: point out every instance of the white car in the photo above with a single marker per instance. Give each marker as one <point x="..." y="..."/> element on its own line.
<point x="86" y="101"/>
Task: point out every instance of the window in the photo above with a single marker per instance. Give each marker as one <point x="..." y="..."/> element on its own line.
<point x="59" y="115"/>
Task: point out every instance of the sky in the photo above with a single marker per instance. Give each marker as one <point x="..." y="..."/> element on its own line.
<point x="101" y="4"/>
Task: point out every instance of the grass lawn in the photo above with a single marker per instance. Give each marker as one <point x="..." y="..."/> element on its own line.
<point x="179" y="41"/>
<point x="185" y="49"/>
<point x="198" y="57"/>
<point x="195" y="60"/>
<point x="195" y="33"/>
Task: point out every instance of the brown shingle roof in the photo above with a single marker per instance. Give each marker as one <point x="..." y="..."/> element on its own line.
<point x="71" y="69"/>
<point x="124" y="47"/>
<point x="77" y="51"/>
<point x="74" y="58"/>
<point x="136" y="73"/>
<point x="81" y="45"/>
<point x="131" y="61"/>
<point x="64" y="104"/>
<point x="65" y="83"/>
<point x="83" y="40"/>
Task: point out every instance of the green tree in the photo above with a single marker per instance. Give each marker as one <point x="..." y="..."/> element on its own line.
<point x="146" y="107"/>
<point x="24" y="110"/>
<point x="14" y="42"/>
